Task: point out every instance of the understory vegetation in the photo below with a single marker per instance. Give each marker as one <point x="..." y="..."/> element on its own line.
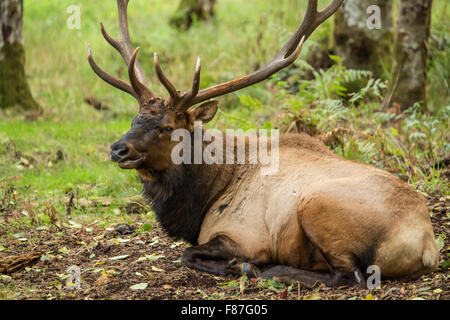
<point x="55" y="174"/>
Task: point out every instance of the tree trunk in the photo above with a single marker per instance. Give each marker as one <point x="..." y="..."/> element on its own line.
<point x="410" y="53"/>
<point x="14" y="88"/>
<point x="190" y="10"/>
<point x="360" y="40"/>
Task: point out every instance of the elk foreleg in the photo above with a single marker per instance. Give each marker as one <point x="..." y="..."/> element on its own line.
<point x="220" y="256"/>
<point x="310" y="278"/>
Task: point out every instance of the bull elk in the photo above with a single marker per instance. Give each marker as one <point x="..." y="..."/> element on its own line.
<point x="319" y="218"/>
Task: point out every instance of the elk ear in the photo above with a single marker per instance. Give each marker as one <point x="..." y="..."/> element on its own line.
<point x="204" y="113"/>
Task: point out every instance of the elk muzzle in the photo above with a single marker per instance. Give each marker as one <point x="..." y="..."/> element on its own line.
<point x="126" y="156"/>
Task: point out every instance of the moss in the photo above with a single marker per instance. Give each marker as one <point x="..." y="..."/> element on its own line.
<point x="14" y="88"/>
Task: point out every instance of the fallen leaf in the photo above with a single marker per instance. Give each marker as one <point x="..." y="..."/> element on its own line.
<point x="283" y="294"/>
<point x="113" y="272"/>
<point x="147" y="227"/>
<point x="149" y="257"/>
<point x="119" y="257"/>
<point x="75" y="225"/>
<point x="440" y="241"/>
<point x="4" y="278"/>
<point x="139" y="286"/>
<point x="312" y="297"/>
<point x="437" y="291"/>
<point x="176" y="244"/>
<point x="63" y="250"/>
<point x="19" y="235"/>
<point x="100" y="280"/>
<point x="85" y="202"/>
<point x="157" y="269"/>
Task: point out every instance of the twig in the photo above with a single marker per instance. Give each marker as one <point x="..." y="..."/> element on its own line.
<point x="70" y="205"/>
<point x="387" y="102"/>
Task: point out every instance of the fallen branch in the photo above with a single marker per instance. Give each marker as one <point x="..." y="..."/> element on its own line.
<point x="14" y="263"/>
<point x="99" y="106"/>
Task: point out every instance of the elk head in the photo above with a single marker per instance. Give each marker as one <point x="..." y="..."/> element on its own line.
<point x="147" y="146"/>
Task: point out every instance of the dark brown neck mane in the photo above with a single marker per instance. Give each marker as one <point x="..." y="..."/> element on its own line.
<point x="183" y="195"/>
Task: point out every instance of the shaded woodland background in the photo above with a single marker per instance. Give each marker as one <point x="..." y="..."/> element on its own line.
<point x="375" y="96"/>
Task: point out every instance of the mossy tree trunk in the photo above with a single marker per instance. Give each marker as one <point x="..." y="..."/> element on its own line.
<point x="410" y="53"/>
<point x="358" y="42"/>
<point x="14" y="88"/>
<point x="190" y="10"/>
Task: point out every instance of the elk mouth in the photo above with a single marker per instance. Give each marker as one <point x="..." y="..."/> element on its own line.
<point x="131" y="164"/>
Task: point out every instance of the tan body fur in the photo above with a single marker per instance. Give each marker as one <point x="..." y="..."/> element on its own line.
<point x="321" y="201"/>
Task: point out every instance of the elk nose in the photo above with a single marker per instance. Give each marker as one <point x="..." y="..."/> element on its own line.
<point x="119" y="151"/>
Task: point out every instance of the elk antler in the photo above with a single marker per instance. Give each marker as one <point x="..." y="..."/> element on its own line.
<point x="286" y="56"/>
<point x="122" y="44"/>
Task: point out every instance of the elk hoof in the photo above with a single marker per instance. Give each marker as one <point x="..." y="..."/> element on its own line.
<point x="359" y="278"/>
<point x="250" y="270"/>
<point x="232" y="262"/>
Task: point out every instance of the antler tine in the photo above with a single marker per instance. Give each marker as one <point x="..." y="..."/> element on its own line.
<point x="177" y="100"/>
<point x="144" y="94"/>
<point x="122" y="44"/>
<point x="313" y="18"/>
<point x="115" y="82"/>
<point x="286" y="56"/>
<point x="303" y="30"/>
<point x="188" y="96"/>
<point x="174" y="95"/>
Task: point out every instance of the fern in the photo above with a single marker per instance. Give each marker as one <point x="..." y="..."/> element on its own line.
<point x="372" y="88"/>
<point x="352" y="75"/>
<point x="368" y="150"/>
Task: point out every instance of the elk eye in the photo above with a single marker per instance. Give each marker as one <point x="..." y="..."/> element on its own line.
<point x="167" y="130"/>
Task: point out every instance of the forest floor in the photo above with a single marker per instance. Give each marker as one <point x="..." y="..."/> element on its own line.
<point x="126" y="261"/>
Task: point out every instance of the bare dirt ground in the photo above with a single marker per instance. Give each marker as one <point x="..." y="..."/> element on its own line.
<point x="124" y="262"/>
